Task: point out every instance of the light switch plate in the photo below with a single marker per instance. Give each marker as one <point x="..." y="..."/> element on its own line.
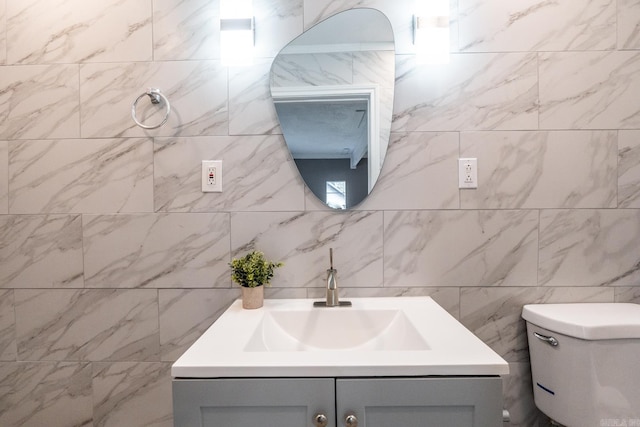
<point x="212" y="176"/>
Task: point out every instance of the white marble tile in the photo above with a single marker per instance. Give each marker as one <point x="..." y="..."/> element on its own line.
<point x="190" y="29"/>
<point x="472" y="92"/>
<point x="399" y="12"/>
<point x="312" y="69"/>
<point x="589" y="247"/>
<point x="277" y="23"/>
<point x="4" y="177"/>
<point x="301" y="240"/>
<point x="276" y="293"/>
<point x="186" y="30"/>
<point x="45" y="394"/>
<point x="532" y="25"/>
<point x="518" y="397"/>
<point x="494" y="314"/>
<point x="8" y="350"/>
<point x="374" y="67"/>
<point x="629" y="169"/>
<point x="87" y="325"/>
<point x="157" y="250"/>
<point x="528" y="170"/>
<point x="628" y="24"/>
<point x="132" y="394"/>
<point x="414" y="173"/>
<point x="39" y="101"/>
<point x="631" y="294"/>
<point x="186" y="314"/>
<point x="197" y="92"/>
<point x="41" y="251"/>
<point x="71" y="31"/>
<point x="316" y="11"/>
<point x="336" y="68"/>
<point x="250" y="97"/>
<point x="3" y="33"/>
<point x="447" y="298"/>
<point x="463" y="248"/>
<point x="258" y="175"/>
<point x="329" y="69"/>
<point x="589" y="90"/>
<point x="81" y="175"/>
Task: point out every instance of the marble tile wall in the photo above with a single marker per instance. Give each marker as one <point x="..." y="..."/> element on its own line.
<point x="112" y="262"/>
<point x="4" y="178"/>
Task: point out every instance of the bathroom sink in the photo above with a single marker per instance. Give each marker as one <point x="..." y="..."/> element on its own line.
<point x="337" y="329"/>
<point x="402" y="336"/>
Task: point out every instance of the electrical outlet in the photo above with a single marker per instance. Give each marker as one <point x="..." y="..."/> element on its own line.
<point x="468" y="173"/>
<point x="212" y="176"/>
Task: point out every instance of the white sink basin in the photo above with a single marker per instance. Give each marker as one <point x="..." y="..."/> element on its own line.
<point x="404" y="336"/>
<point x="341" y="329"/>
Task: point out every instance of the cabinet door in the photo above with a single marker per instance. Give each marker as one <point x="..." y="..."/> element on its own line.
<point x="253" y="402"/>
<point x="420" y="402"/>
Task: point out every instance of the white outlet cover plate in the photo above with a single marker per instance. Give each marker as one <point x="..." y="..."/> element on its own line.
<point x="214" y="166"/>
<point x="468" y="172"/>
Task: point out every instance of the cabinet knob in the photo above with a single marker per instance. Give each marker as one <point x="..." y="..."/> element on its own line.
<point x="320" y="420"/>
<point x="351" y="421"/>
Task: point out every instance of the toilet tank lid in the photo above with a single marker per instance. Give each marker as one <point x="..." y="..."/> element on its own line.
<point x="588" y="321"/>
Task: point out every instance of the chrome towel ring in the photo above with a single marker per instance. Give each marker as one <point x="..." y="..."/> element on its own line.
<point x="155" y="95"/>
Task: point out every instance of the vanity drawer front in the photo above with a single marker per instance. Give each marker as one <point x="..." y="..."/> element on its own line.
<point x="253" y="402"/>
<point x="424" y="402"/>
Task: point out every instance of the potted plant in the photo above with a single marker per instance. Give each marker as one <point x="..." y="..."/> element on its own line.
<point x="252" y="272"/>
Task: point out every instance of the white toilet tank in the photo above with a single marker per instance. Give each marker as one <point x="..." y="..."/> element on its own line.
<point x="585" y="362"/>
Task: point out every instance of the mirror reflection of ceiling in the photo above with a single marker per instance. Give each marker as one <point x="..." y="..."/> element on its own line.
<point x="324" y="130"/>
<point x="333" y="92"/>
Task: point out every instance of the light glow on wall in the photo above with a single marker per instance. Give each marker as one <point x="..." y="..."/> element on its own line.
<point x="431" y="31"/>
<point x="237" y="32"/>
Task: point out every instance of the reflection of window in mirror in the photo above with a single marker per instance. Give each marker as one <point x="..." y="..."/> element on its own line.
<point x="337" y="194"/>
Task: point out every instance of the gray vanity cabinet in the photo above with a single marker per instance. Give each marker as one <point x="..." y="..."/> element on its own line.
<point x="420" y="402"/>
<point x="371" y="402"/>
<point x="252" y="402"/>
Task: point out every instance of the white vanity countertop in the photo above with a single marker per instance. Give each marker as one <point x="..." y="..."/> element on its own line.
<point x="228" y="348"/>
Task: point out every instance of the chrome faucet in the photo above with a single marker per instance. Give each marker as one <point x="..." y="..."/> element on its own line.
<point x="332" y="283"/>
<point x="332" y="288"/>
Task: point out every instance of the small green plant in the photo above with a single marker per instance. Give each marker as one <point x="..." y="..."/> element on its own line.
<point x="252" y="270"/>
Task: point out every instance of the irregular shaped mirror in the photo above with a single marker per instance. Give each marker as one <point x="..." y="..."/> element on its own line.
<point x="333" y="92"/>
